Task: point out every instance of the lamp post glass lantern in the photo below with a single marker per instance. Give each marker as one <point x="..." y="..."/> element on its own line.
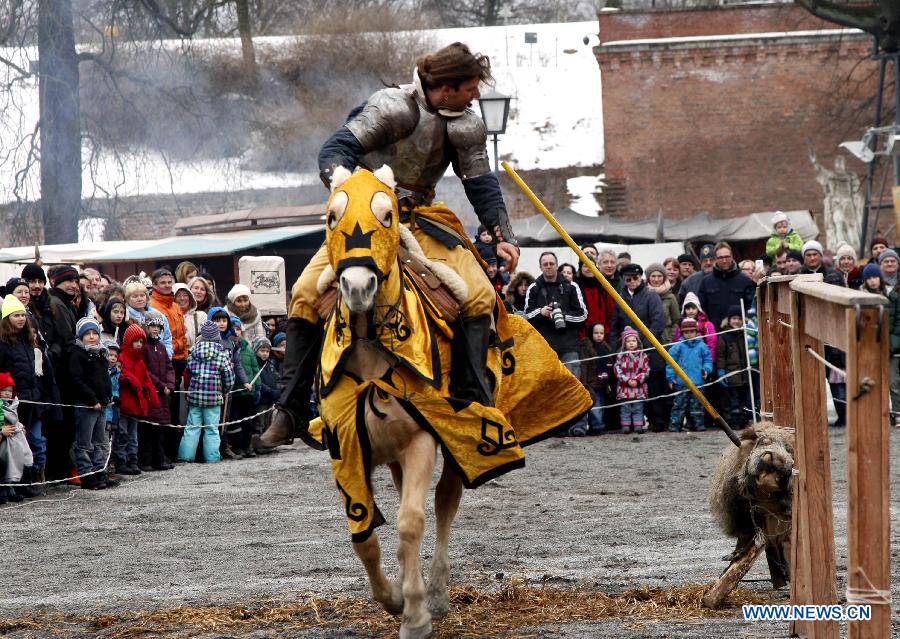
<point x="494" y="111"/>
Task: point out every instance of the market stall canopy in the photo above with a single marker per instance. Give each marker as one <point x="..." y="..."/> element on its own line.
<point x="756" y="226"/>
<point x="181" y="246"/>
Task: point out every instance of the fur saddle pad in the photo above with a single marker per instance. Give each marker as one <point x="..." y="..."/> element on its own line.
<point x="427" y="284"/>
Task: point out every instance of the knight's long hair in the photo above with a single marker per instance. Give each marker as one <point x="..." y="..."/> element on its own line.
<point x="453" y="65"/>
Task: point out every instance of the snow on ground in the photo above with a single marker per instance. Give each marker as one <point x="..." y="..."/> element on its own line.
<point x="555" y="118"/>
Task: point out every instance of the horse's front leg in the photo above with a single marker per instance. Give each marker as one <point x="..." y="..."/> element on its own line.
<point x="418" y="467"/>
<point x="446" y="503"/>
<point x="385" y="592"/>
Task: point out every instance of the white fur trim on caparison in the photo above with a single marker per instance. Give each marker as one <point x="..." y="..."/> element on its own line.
<point x="339" y="176"/>
<point x="409" y="240"/>
<point x="448" y="277"/>
<point x="385" y="175"/>
<point x="326" y="280"/>
<point x="451" y="279"/>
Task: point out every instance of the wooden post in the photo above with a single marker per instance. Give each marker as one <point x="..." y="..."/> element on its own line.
<point x="764" y="341"/>
<point x="868" y="445"/>
<point x="783" y="361"/>
<point x="732" y="576"/>
<point x="813" y="575"/>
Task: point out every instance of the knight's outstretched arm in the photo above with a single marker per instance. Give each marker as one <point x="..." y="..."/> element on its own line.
<point x="469" y="138"/>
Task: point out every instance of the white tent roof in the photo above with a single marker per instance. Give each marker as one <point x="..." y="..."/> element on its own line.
<point x="203" y="244"/>
<point x="756" y="226"/>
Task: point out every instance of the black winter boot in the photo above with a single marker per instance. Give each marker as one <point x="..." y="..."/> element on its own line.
<point x="301" y="357"/>
<point x="468" y="373"/>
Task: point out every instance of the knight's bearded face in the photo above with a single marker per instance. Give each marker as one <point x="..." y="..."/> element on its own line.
<point x="362" y="226"/>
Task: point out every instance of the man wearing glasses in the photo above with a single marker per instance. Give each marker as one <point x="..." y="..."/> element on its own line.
<point x="725" y="286"/>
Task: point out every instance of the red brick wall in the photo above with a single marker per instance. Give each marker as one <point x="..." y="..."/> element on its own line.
<point x="726" y="127"/>
<point x="750" y="18"/>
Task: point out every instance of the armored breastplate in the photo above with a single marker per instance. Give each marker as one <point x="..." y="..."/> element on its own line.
<point x="421" y="158"/>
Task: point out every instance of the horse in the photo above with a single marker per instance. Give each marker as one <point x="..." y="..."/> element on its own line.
<point x="383" y="394"/>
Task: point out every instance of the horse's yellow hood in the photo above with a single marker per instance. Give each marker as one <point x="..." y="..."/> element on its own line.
<point x="362" y="220"/>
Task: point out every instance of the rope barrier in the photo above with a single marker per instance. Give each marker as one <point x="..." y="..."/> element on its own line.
<point x="109" y="449"/>
<point x="644" y="350"/>
<point x="828" y="364"/>
<point x="870" y="595"/>
<point x="144" y="421"/>
<point x="678" y="392"/>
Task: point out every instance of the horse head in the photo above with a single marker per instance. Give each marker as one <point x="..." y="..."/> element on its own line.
<point x="362" y="233"/>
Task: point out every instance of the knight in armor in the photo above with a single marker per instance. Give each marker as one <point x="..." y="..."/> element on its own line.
<point x="418" y="130"/>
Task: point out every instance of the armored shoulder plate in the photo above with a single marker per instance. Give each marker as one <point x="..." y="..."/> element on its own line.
<point x="468" y="136"/>
<point x="389" y="115"/>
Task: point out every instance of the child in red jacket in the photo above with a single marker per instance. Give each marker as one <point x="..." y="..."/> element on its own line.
<point x="136" y="397"/>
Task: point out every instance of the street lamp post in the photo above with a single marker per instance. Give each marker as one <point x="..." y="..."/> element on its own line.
<point x="494" y="112"/>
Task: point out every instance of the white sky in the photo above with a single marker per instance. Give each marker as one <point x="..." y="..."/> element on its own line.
<point x="555" y="118"/>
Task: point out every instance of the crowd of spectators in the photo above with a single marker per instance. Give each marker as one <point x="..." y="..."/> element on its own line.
<point x="102" y="379"/>
<point x="702" y="308"/>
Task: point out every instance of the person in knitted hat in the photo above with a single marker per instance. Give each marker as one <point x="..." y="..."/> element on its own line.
<point x="793" y="263"/>
<point x="845" y="264"/>
<point x="632" y="370"/>
<point x="15" y="455"/>
<point x="691" y="309"/>
<point x="151" y="436"/>
<point x="812" y="263"/>
<point x="239" y="305"/>
<point x="137" y="302"/>
<point x="693" y="356"/>
<point x="658" y="281"/>
<point x="872" y="281"/>
<point x="243" y="400"/>
<point x="63" y="314"/>
<point x="278" y="347"/>
<point x="210" y="376"/>
<point x="889" y="263"/>
<point x="137" y="396"/>
<point x="269" y="381"/>
<point x="21" y="357"/>
<point x="88" y="374"/>
<point x="783" y="235"/>
<point x="877" y="245"/>
<point x="113" y="350"/>
<point x="731" y="362"/>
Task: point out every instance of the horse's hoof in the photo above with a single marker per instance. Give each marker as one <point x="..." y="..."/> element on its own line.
<point x="415" y="633"/>
<point x="438" y="606"/>
<point x="393" y="607"/>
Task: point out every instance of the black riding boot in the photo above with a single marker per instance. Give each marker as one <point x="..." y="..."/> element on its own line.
<point x="301" y="357"/>
<point x="468" y="373"/>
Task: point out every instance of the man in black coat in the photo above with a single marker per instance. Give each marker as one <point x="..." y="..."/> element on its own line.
<point x="546" y="293"/>
<point x="724" y="287"/>
<point x="63" y="313"/>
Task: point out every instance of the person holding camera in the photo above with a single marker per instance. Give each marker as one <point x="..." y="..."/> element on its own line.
<point x="556" y="309"/>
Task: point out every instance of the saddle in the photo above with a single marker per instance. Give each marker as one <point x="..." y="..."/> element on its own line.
<point x="430" y="288"/>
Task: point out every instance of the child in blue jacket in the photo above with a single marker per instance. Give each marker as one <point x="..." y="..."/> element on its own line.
<point x="693" y="356"/>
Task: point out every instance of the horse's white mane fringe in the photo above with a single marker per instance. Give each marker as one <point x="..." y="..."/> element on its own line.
<point x="448" y="277"/>
<point x="326" y="278"/>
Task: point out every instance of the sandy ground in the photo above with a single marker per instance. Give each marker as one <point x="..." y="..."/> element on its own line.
<point x="604" y="513"/>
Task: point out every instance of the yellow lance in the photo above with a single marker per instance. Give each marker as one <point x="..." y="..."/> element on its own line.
<point x="627" y="309"/>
